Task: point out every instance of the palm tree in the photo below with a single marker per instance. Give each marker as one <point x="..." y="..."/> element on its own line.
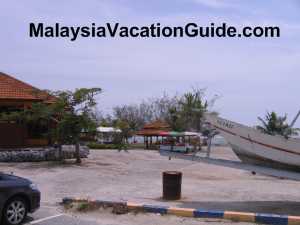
<point x="174" y="119"/>
<point x="273" y="124"/>
<point x="193" y="106"/>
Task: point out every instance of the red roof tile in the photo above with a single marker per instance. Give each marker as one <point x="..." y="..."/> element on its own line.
<point x="158" y="124"/>
<point x="154" y="128"/>
<point x="14" y="89"/>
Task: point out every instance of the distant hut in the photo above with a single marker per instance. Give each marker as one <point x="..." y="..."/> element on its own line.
<point x="105" y="135"/>
<point x="153" y="130"/>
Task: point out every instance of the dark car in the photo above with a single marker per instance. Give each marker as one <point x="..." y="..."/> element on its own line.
<point x="18" y="196"/>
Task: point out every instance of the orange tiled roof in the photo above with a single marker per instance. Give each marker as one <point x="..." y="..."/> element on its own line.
<point x="158" y="124"/>
<point x="148" y="132"/>
<point x="154" y="128"/>
<point x="14" y="89"/>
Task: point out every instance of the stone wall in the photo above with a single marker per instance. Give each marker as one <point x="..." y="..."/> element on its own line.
<point x="41" y="154"/>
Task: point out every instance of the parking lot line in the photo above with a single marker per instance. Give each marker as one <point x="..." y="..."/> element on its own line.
<point x="46" y="218"/>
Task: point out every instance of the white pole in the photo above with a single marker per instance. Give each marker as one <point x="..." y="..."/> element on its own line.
<point x="208" y="147"/>
<point x="295" y="119"/>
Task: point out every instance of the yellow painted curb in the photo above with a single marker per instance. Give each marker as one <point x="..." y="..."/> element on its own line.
<point x="294" y="220"/>
<point x="189" y="212"/>
<point x="181" y="212"/>
<point x="133" y="206"/>
<point x="239" y="216"/>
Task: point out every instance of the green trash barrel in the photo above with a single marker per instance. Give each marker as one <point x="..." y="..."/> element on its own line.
<point x="172" y="185"/>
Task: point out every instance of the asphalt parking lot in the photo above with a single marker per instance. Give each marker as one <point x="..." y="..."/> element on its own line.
<point x="52" y="215"/>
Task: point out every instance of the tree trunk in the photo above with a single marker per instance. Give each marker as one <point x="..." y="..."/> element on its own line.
<point x="77" y="153"/>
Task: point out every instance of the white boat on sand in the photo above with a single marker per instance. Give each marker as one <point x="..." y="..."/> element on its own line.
<point x="254" y="147"/>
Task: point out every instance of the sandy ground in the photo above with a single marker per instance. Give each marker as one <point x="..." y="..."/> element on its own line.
<point x="136" y="176"/>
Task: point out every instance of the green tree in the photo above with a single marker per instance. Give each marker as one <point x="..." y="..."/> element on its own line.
<point x="129" y="114"/>
<point x="174" y="119"/>
<point x="193" y="105"/>
<point x="273" y="124"/>
<point x="126" y="131"/>
<point x="121" y="139"/>
<point x="181" y="112"/>
<point x="74" y="113"/>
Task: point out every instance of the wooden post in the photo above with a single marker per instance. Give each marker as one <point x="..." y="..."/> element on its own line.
<point x="147" y="143"/>
<point x="77" y="153"/>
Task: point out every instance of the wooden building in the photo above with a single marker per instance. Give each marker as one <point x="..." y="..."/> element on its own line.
<point x="16" y="95"/>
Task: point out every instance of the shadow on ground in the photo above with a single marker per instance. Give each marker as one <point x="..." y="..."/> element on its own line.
<point x="275" y="207"/>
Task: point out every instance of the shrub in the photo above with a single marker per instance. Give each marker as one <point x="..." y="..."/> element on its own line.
<point x="83" y="206"/>
<point x="95" y="145"/>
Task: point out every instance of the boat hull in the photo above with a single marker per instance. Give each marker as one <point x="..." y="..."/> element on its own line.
<point x="254" y="147"/>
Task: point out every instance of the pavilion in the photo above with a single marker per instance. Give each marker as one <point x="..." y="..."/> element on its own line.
<point x="164" y="136"/>
<point x="153" y="130"/>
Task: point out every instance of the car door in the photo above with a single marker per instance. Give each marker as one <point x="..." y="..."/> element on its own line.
<point x="5" y="187"/>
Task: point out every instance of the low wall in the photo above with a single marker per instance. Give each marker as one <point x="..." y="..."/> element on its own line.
<point x="40" y="154"/>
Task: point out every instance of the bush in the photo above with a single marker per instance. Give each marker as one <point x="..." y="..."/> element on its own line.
<point x="95" y="145"/>
<point x="83" y="206"/>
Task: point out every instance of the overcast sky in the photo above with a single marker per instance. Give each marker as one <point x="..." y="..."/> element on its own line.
<point x="251" y="75"/>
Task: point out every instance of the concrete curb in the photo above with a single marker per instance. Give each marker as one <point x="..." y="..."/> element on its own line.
<point x="199" y="213"/>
